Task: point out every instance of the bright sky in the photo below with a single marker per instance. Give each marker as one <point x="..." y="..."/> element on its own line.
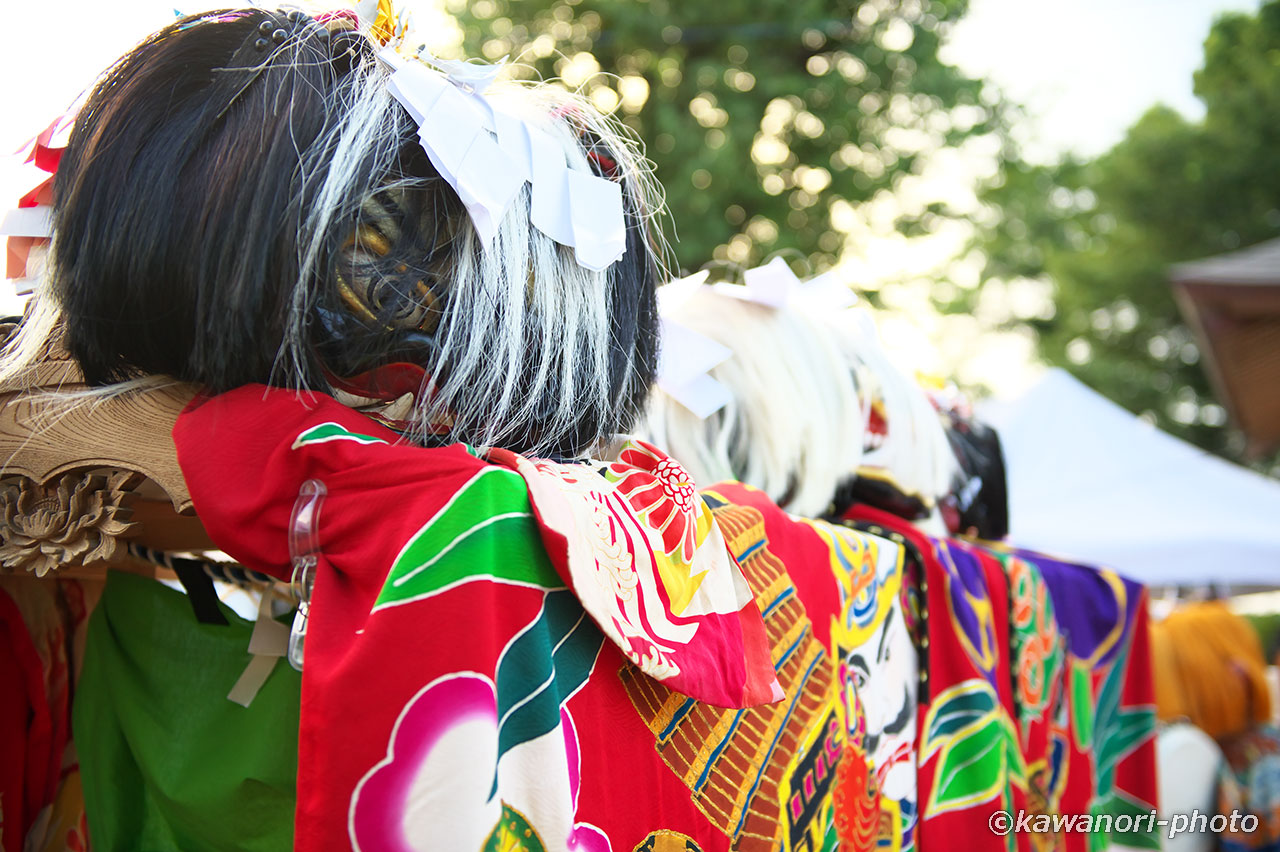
<point x="1087" y="69"/>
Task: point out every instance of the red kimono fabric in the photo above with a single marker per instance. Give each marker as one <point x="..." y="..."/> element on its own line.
<point x="971" y="766"/>
<point x="1037" y="714"/>
<point x="524" y="655"/>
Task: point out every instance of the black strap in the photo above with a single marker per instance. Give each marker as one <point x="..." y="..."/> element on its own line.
<point x="200" y="591"/>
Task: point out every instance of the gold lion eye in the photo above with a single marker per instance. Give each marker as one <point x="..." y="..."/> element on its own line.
<point x="427" y="315"/>
<point x="367" y="293"/>
<point x="353" y="302"/>
<point x="367" y="238"/>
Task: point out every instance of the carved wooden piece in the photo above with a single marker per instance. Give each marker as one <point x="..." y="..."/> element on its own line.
<point x="42" y="438"/>
<point x="133" y="432"/>
<point x="73" y="474"/>
<point x="77" y="519"/>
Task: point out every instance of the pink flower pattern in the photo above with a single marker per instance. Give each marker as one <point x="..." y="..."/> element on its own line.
<point x="657" y="486"/>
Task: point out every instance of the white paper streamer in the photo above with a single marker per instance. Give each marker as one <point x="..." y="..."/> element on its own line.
<point x="704" y="396"/>
<point x="487" y="154"/>
<point x="775" y="285"/>
<point x="687" y="356"/>
<point x="366" y="13"/>
<point x="772" y="284"/>
<point x="673" y="295"/>
<point x="34" y="222"/>
<point x="829" y="289"/>
<point x="28" y="222"/>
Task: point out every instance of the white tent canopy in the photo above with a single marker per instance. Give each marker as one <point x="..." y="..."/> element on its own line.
<point x="1090" y="481"/>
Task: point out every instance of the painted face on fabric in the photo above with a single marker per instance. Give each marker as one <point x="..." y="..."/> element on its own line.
<point x="885" y="668"/>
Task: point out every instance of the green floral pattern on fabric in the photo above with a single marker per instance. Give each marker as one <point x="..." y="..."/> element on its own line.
<point x="1116" y="732"/>
<point x="325" y="433"/>
<point x="485" y="531"/>
<point x="977" y="744"/>
<point x="542" y="667"/>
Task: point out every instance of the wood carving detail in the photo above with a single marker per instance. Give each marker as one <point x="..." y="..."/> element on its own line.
<point x="76" y="519"/>
<point x="43" y="437"/>
<point x="79" y="474"/>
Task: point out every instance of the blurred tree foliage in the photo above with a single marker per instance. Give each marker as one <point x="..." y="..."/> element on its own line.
<point x="1268" y="630"/>
<point x="1105" y="232"/>
<point x="767" y="119"/>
